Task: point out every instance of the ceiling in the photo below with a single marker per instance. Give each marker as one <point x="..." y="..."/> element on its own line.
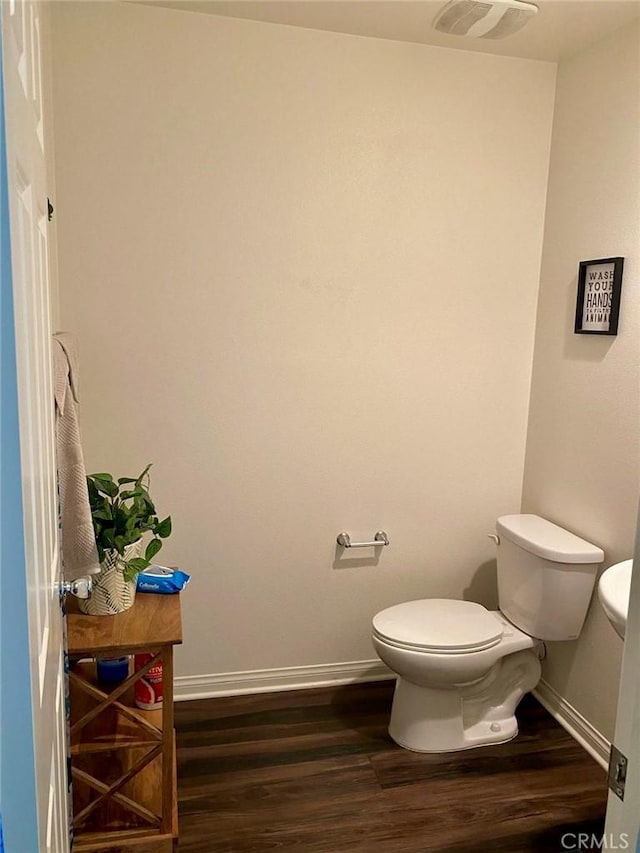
<point x="560" y="29"/>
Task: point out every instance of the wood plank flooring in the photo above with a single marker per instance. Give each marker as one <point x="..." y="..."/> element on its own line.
<point x="314" y="771"/>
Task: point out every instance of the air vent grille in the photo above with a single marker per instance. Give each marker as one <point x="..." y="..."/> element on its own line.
<point x="492" y="20"/>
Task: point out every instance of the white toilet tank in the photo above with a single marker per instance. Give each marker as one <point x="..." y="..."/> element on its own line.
<point x="545" y="576"/>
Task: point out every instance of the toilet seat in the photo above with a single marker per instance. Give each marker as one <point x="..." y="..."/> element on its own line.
<point x="438" y="625"/>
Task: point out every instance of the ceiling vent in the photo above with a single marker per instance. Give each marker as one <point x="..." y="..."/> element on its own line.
<point x="491" y="20"/>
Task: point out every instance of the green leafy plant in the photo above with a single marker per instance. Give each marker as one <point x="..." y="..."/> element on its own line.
<point x="122" y="512"/>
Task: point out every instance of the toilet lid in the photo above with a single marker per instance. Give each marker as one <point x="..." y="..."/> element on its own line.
<point x="438" y="624"/>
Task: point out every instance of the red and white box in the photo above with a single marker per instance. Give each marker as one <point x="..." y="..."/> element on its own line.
<point x="148" y="689"/>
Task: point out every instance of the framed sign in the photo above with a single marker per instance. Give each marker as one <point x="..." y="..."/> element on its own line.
<point x="598" y="304"/>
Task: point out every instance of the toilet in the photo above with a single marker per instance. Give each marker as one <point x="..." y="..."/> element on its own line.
<point x="463" y="669"/>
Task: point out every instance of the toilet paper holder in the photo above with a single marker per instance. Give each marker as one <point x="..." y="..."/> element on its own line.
<point x="380" y="538"/>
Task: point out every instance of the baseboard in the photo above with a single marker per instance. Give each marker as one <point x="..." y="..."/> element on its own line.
<point x="578" y="727"/>
<point x="272" y="680"/>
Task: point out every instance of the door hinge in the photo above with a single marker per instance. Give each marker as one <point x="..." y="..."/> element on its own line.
<point x="617" y="771"/>
<point x="49" y="210"/>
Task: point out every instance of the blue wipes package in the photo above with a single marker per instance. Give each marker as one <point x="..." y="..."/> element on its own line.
<point x="161" y="579"/>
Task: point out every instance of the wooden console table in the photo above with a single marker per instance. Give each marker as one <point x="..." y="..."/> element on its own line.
<point x="123" y="760"/>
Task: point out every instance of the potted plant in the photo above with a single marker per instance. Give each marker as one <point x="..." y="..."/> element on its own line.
<point x="123" y="513"/>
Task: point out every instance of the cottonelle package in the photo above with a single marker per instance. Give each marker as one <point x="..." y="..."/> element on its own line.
<point x="160" y="579"/>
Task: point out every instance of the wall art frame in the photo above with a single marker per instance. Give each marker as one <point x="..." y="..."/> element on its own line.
<point x="599" y="293"/>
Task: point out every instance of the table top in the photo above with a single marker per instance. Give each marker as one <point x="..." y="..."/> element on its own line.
<point x="154" y="620"/>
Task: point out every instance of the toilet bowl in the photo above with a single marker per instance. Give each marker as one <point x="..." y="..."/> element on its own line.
<point x="462" y="669"/>
<point x="460" y="676"/>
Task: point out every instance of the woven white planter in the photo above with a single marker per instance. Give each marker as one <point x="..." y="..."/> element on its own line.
<point x="110" y="592"/>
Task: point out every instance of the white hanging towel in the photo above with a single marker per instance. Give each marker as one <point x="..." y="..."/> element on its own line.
<point x="79" y="552"/>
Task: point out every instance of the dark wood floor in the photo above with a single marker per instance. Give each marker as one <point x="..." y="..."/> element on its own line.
<point x="315" y="771"/>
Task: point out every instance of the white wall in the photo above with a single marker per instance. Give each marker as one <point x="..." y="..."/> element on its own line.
<point x="583" y="448"/>
<point x="303" y="271"/>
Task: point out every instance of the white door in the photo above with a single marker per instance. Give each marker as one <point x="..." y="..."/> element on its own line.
<point x="623" y="816"/>
<point x="27" y="187"/>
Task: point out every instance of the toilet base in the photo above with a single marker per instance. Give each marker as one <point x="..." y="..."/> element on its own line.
<point x="426" y="719"/>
